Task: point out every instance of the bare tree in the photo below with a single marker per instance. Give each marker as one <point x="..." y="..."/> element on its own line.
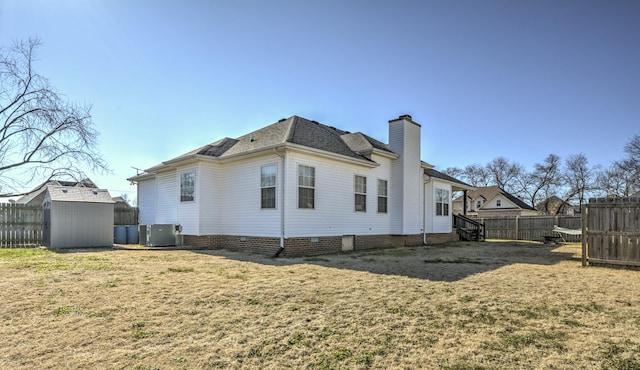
<point x="504" y="173"/>
<point x="476" y="175"/>
<point x="42" y="135"/>
<point x="622" y="179"/>
<point x="631" y="163"/>
<point x="579" y="179"/>
<point x="454" y="172"/>
<point x="542" y="182"/>
<point x="632" y="148"/>
<point x="614" y="181"/>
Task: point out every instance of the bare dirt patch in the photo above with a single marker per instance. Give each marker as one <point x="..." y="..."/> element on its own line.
<point x="460" y="306"/>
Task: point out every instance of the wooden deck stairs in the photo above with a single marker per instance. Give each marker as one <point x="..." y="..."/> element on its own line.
<point x="468" y="229"/>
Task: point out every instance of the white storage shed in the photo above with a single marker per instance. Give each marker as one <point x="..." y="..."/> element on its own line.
<point x="76" y="217"/>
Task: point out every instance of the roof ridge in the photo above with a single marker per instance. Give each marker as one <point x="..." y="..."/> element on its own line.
<point x="519" y="202"/>
<point x="290" y="130"/>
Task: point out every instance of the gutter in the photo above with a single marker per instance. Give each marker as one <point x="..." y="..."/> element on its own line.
<point x="424" y="209"/>
<point x="283" y="158"/>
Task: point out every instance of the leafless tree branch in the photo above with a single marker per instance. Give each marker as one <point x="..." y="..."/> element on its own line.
<point x="42" y="135"/>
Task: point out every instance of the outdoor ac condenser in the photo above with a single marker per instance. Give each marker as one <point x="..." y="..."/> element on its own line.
<point x="159" y="235"/>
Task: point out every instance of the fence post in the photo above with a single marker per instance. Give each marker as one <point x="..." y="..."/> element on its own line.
<point x="517" y="227"/>
<point x="584" y="210"/>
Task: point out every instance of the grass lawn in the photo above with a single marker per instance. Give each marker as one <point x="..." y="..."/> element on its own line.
<point x="492" y="305"/>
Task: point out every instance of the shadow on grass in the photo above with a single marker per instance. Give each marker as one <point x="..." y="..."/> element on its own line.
<point x="446" y="262"/>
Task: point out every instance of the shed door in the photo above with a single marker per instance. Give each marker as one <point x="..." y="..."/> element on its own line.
<point x="46" y="227"/>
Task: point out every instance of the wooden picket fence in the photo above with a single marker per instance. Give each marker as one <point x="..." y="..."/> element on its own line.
<point x="20" y="226"/>
<point x="529" y="227"/>
<point x="612" y="232"/>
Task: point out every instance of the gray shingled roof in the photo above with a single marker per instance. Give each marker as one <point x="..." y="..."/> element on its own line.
<point x="78" y="194"/>
<point x="294" y="130"/>
<point x="439" y="175"/>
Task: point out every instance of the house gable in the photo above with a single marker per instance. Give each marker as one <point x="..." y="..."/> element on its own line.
<point x="494" y="201"/>
<point x="499" y="202"/>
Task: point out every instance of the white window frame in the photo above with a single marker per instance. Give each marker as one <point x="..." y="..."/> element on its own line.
<point x="442" y="202"/>
<point x="360" y="193"/>
<point x="188" y="186"/>
<point x="307" y="182"/>
<point x="267" y="182"/>
<point x="384" y="196"/>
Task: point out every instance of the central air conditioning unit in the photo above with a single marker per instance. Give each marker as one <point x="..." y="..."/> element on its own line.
<point x="158" y="235"/>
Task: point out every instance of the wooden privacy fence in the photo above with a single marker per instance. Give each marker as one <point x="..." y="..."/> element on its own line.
<point x="125" y="216"/>
<point x="20" y="225"/>
<point x="529" y="227"/>
<point x="611" y="229"/>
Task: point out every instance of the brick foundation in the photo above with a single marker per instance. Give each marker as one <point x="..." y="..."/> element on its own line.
<point x="310" y="246"/>
<point x="442" y="238"/>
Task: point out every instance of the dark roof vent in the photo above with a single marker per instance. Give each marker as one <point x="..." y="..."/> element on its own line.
<point x="405" y="116"/>
<point x="282" y="119"/>
<point x="251" y="139"/>
<point x="95" y="192"/>
<point x="64" y="190"/>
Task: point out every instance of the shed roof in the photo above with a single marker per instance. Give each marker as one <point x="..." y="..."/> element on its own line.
<point x="75" y="194"/>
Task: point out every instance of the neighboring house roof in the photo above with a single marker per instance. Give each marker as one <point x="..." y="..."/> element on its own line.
<point x="121" y="202"/>
<point x="9" y="199"/>
<point x="39" y="190"/>
<point x="553" y="205"/>
<point x="293" y="130"/>
<point x="490" y="192"/>
<point x="518" y="202"/>
<point x="78" y="194"/>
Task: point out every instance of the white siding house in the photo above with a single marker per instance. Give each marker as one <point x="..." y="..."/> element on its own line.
<point x="299" y="187"/>
<point x="147" y="201"/>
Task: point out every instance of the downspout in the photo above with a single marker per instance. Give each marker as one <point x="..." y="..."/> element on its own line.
<point x="282" y="183"/>
<point x="424" y="210"/>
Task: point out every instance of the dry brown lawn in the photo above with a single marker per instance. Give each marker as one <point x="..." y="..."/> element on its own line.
<point x="492" y="305"/>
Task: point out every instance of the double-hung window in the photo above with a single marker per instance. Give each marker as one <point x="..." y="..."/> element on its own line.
<point x="306" y="186"/>
<point x="188" y="186"/>
<point x="360" y="185"/>
<point x="268" y="187"/>
<point x="382" y="196"/>
<point x="442" y="202"/>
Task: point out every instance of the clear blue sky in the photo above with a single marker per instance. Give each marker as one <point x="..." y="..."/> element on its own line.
<point x="520" y="79"/>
